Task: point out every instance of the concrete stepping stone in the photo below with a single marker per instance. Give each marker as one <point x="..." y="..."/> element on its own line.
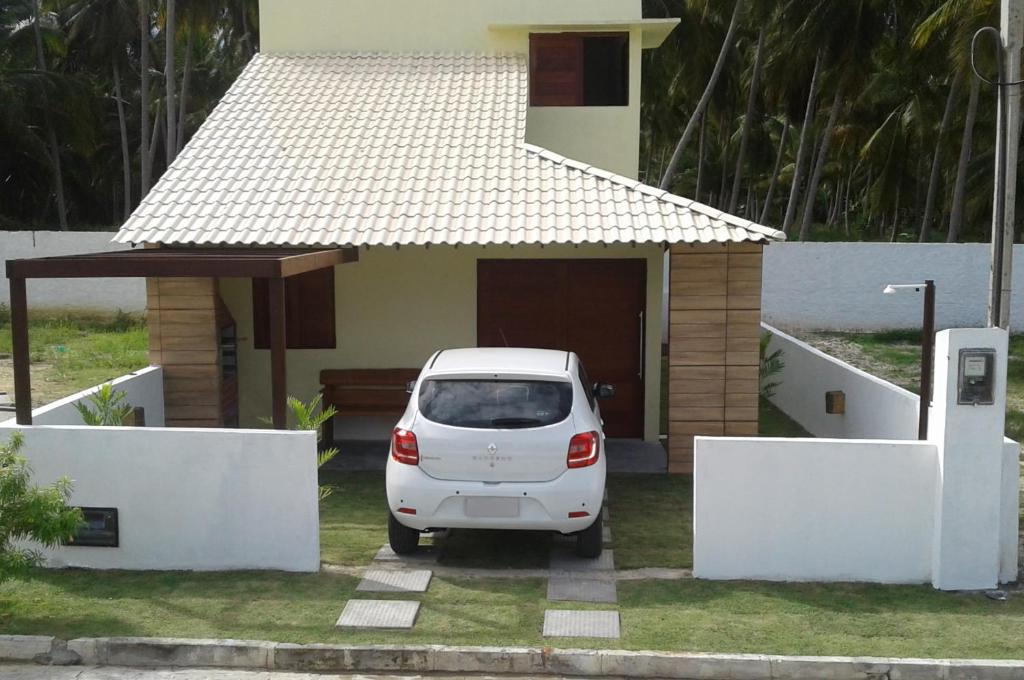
<point x="572" y="588"/>
<point x="395" y="581"/>
<point x="425" y="554"/>
<point x="378" y="614"/>
<point x="563" y="559"/>
<point x="585" y="624"/>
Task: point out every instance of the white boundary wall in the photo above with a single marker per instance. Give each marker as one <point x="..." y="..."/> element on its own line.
<point x="144" y="388"/>
<point x="875" y="409"/>
<point x="90" y="294"/>
<point x="838" y="286"/>
<point x="197" y="499"/>
<point x="813" y="509"/>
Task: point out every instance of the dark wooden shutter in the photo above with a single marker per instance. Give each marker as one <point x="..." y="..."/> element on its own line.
<point x="309" y="311"/>
<point x="556" y="69"/>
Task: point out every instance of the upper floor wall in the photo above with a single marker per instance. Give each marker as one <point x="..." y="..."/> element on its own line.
<point x="605" y="136"/>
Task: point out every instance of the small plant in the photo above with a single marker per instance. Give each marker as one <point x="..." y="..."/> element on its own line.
<point x="311" y="417"/>
<point x="29" y="512"/>
<point x="771" y="365"/>
<point x="109" y="407"/>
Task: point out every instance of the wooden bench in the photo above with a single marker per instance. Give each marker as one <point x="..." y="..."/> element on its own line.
<point x="365" y="392"/>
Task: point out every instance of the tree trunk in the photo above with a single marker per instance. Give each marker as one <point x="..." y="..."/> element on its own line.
<point x="775" y="172"/>
<point x="798" y="169"/>
<point x="720" y="202"/>
<point x="170" y="28"/>
<point x="51" y="133"/>
<point x="155" y="138"/>
<point x="819" y="166"/>
<point x="956" y="212"/>
<point x="126" y="156"/>
<point x="183" y="100"/>
<point x="700" y="159"/>
<point x="755" y="81"/>
<point x="145" y="159"/>
<point x="933" y="177"/>
<point x="846" y="205"/>
<point x="247" y="33"/>
<point x="702" y="104"/>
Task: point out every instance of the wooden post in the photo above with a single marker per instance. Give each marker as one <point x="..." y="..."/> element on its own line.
<point x="927" y="358"/>
<point x="278" y="359"/>
<point x="19" y="337"/>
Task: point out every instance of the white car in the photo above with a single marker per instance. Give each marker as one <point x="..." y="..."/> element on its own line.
<point x="499" y="438"/>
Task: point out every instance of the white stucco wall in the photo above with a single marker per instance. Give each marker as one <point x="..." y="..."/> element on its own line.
<point x="144" y="388"/>
<point x="396" y="307"/>
<point x="813" y="509"/>
<point x="607" y="137"/>
<point x="87" y="294"/>
<point x="838" y="286"/>
<point x="875" y="409"/>
<point x="198" y="499"/>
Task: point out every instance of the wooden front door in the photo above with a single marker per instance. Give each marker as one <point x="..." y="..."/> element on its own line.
<point x="592" y="307"/>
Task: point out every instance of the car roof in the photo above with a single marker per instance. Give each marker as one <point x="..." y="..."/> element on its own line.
<point x="500" y="359"/>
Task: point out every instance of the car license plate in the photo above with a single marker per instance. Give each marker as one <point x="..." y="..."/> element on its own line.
<point x="492" y="507"/>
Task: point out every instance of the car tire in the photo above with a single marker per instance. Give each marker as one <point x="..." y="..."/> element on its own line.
<point x="590" y="541"/>
<point x="403" y="540"/>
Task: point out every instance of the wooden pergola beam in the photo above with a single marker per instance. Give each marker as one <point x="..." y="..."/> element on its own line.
<point x="278" y="354"/>
<point x="273" y="264"/>
<point x="19" y="346"/>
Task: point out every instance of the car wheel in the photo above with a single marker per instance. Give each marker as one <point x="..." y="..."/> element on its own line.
<point x="590" y="541"/>
<point x="403" y="540"/>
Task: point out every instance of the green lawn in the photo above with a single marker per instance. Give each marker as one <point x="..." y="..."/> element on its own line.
<point x="896" y="357"/>
<point x="687" y="615"/>
<point x="651" y="523"/>
<point x="73" y="351"/>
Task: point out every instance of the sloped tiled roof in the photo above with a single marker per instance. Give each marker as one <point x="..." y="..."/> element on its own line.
<point x="391" y="149"/>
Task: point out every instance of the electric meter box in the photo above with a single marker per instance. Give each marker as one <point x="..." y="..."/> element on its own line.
<point x="976" y="377"/>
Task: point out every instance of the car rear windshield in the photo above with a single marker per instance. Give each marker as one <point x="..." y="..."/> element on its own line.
<point x="495" y="404"/>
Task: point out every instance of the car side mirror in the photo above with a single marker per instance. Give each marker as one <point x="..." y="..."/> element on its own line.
<point x="410" y="386"/>
<point x="604" y="390"/>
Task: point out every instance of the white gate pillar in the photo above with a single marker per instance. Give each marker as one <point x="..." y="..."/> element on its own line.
<point x="969" y="437"/>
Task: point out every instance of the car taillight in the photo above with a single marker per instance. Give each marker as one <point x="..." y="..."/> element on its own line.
<point x="403" y="447"/>
<point x="584" y="449"/>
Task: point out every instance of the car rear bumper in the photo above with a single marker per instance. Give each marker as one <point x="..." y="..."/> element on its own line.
<point x="538" y="506"/>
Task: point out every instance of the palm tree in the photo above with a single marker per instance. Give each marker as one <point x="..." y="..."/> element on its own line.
<point x="677" y="154"/>
<point x="105" y="27"/>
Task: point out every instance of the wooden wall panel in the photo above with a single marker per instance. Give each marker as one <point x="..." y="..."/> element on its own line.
<point x="183" y="339"/>
<point x="714" y="333"/>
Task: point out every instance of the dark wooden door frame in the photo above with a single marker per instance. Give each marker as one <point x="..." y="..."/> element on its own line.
<point x="641" y="261"/>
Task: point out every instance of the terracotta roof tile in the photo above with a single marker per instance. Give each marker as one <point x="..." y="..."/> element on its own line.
<point x="393" y="149"/>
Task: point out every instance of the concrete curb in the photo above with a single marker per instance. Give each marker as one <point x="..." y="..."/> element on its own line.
<point x="254" y="654"/>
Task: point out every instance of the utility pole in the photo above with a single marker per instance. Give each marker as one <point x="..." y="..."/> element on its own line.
<point x="1007" y="138"/>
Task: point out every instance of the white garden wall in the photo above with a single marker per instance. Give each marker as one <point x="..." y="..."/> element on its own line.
<point x="875" y="409"/>
<point x="90" y="294"/>
<point x="813" y="509"/>
<point x="143" y="388"/>
<point x="838" y="286"/>
<point x="201" y="499"/>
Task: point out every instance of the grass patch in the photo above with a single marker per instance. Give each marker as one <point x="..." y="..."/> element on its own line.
<point x="353" y="519"/>
<point x="698" y="616"/>
<point x="72" y="351"/>
<point x="651" y="523"/>
<point x="651" y="518"/>
<point x="775" y="423"/>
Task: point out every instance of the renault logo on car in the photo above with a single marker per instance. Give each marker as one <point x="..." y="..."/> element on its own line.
<point x="492" y="449"/>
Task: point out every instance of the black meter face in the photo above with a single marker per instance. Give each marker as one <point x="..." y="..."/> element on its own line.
<point x="976" y="378"/>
